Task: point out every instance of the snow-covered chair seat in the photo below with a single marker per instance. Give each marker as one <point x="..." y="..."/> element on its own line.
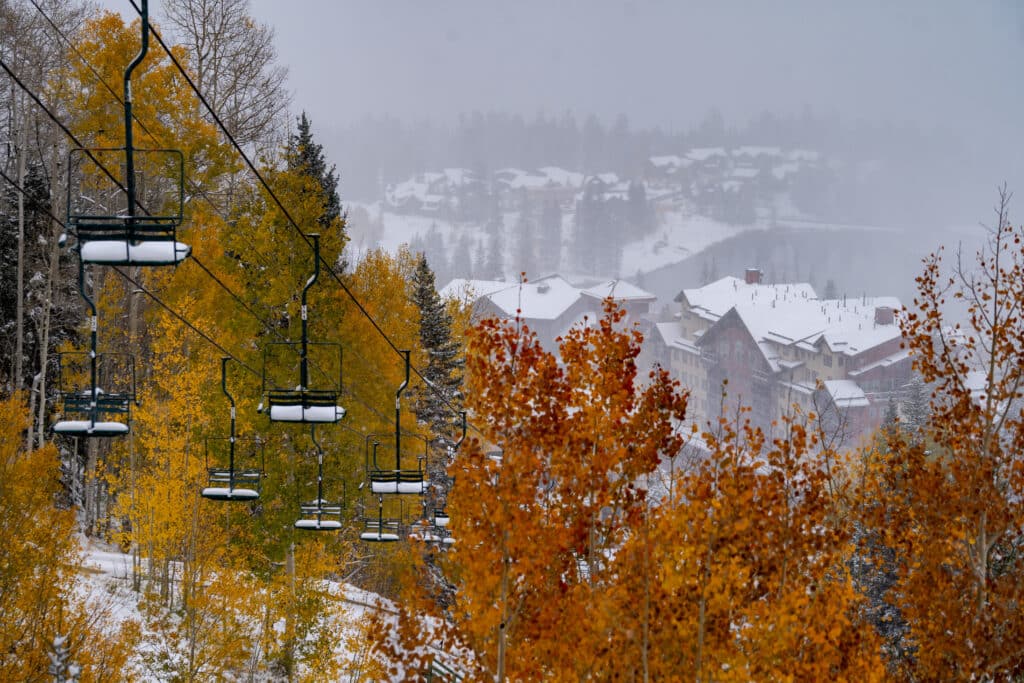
<point x="123" y="252"/>
<point x="397" y="481"/>
<point x="241" y="485"/>
<point x="319" y="515"/>
<point x="377" y="531"/>
<point x="89" y="428"/>
<point x="232" y="493"/>
<point x="318" y="524"/>
<point x="304" y="406"/>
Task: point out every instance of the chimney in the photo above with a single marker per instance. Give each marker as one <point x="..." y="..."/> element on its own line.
<point x="883" y="315"/>
<point x="753" y="276"/>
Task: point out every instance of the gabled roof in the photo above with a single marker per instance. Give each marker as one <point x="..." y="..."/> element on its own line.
<point x="620" y="291"/>
<point x="791" y="315"/>
<point x="544" y="299"/>
<point x="705" y="153"/>
<point x="670" y="162"/>
<point x="713" y="300"/>
<point x="461" y="288"/>
<point x="846" y="393"/>
<point x="755" y="151"/>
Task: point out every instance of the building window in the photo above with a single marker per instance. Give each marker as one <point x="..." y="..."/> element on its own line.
<point x="828" y="361"/>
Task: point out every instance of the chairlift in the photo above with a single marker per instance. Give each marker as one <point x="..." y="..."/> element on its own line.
<point x="315" y="398"/>
<point x="431" y="530"/>
<point x="103" y="211"/>
<point x="399" y="479"/>
<point x="441" y="518"/>
<point x="236" y="481"/>
<point x="96" y="389"/>
<point x="382" y="529"/>
<point x="319" y="514"/>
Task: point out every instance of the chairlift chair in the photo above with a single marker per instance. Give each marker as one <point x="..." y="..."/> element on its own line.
<point x="319" y="514"/>
<point x="315" y="398"/>
<point x="95" y="387"/>
<point x="398" y="479"/>
<point x="242" y="478"/>
<point x="381" y="529"/>
<point x="95" y="403"/>
<point x="104" y="212"/>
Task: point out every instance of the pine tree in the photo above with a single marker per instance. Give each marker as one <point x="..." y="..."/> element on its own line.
<point x="915" y="408"/>
<point x="526" y="248"/>
<point x="306" y="155"/>
<point x="549" y="258"/>
<point x="436" y="405"/>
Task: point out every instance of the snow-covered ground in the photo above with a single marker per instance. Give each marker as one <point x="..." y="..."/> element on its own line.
<point x="681" y="232"/>
<point x="105" y="581"/>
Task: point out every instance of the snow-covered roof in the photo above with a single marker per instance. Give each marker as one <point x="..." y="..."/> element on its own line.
<point x="670" y="162"/>
<point x="560" y="176"/>
<point x="544" y="299"/>
<point x="803" y="155"/>
<point x="714" y="300"/>
<point x="463" y="289"/>
<point x="848" y="328"/>
<point x="845" y="393"/>
<point x="745" y="173"/>
<point x="667" y="332"/>
<point x="754" y="151"/>
<point x="780" y="171"/>
<point x="791" y="315"/>
<point x="705" y="153"/>
<point x="620" y="290"/>
<point x="544" y="177"/>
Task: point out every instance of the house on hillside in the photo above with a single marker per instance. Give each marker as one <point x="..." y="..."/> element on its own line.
<point x="778" y="345"/>
<point x="516" y="187"/>
<point x="549" y="306"/>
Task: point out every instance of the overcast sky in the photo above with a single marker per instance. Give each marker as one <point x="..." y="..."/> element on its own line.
<point x="947" y="64"/>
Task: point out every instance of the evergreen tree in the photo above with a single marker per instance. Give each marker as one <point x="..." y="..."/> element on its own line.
<point x="306" y="156"/>
<point x="915" y="407"/>
<point x="437" y="402"/>
<point x="494" y="266"/>
<point x="525" y="256"/>
<point x="549" y="258"/>
<point x="462" y="259"/>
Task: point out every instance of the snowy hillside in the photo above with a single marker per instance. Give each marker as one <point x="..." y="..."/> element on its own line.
<point x="105" y="581"/>
<point x="680" y="234"/>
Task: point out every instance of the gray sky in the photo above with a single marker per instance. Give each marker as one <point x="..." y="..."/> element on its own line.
<point x="943" y="64"/>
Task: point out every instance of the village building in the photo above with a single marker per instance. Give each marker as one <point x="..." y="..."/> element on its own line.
<point x="550" y="305"/>
<point x="775" y="346"/>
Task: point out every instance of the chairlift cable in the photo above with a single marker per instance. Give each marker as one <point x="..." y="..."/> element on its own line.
<point x="284" y="210"/>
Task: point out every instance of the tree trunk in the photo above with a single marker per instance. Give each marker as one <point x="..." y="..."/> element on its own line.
<point x="503" y="602"/>
<point x="19" y="315"/>
<point x="51" y="277"/>
<point x="89" y="484"/>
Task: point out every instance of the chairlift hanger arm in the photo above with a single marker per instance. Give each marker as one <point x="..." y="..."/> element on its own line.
<point x="129" y="156"/>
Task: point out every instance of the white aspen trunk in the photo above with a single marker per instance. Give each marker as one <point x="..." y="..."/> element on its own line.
<point x="19" y="315"/>
<point x="290" y="619"/>
<point x="51" y="277"/>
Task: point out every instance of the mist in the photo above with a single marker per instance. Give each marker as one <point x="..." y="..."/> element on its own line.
<point x="913" y="105"/>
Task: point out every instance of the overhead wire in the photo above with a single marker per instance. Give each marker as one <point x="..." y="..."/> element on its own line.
<point x="199" y="191"/>
<point x="206" y="337"/>
<point x="34" y="96"/>
<point x="266" y="186"/>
